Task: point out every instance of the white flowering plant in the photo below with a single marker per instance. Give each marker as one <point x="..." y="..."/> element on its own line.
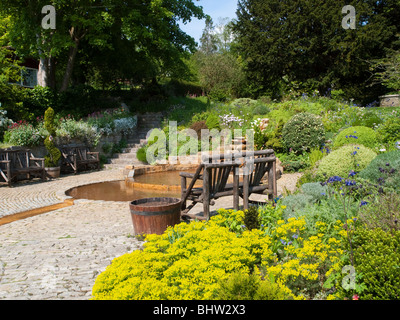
<point x="4" y="122"/>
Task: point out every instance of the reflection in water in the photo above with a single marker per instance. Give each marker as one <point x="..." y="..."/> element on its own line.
<point x="117" y="191"/>
<point x="121" y="191"/>
<point x="167" y="178"/>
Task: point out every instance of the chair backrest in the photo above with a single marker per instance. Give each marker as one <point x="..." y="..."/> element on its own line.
<point x="263" y="162"/>
<point x="256" y="164"/>
<point x="82" y="152"/>
<point x="217" y="176"/>
<point x="4" y="156"/>
<point x="20" y="159"/>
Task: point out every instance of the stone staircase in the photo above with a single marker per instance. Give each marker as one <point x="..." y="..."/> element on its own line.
<point x="146" y="122"/>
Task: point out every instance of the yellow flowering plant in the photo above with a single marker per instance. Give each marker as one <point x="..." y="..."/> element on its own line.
<point x="189" y="267"/>
<point x="192" y="260"/>
<point x="299" y="261"/>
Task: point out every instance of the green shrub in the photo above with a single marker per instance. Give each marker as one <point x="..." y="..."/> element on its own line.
<point x="303" y="132"/>
<point x="389" y="131"/>
<point x="345" y="159"/>
<point x="357" y="135"/>
<point x="295" y="202"/>
<point x="261" y="109"/>
<point x="294" y="163"/>
<point x="199" y="117"/>
<point x="315" y="156"/>
<point x="377" y="260"/>
<point x="273" y="138"/>
<point x="141" y="154"/>
<point x="212" y="122"/>
<point x="382" y="213"/>
<point x="314" y="189"/>
<point x="69" y="129"/>
<point x="54" y="154"/>
<point x="39" y="99"/>
<point x="252" y="219"/>
<point x="370" y="120"/>
<point x="243" y="286"/>
<point x="385" y="166"/>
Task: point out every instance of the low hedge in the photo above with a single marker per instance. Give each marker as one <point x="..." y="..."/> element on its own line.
<point x="344" y="160"/>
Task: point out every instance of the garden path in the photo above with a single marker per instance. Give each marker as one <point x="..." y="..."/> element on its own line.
<point x="58" y="255"/>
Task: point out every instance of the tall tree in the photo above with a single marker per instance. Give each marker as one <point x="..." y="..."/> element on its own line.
<point x="147" y="30"/>
<point x="209" y="40"/>
<point x="304" y="43"/>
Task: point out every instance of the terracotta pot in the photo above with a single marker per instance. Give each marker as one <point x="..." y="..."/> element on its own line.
<point x="155" y="215"/>
<point x="53" y="172"/>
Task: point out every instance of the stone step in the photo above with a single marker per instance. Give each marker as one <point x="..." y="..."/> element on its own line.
<point x="125" y="162"/>
<point x="126" y="156"/>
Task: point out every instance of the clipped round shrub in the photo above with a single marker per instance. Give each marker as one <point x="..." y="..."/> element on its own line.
<point x="356" y="135"/>
<point x="303" y="132"/>
<point x="385" y="169"/>
<point x="344" y="160"/>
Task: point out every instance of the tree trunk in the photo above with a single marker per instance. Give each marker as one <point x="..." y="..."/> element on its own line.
<point x="52" y="73"/>
<point x="42" y="77"/>
<point x="46" y="73"/>
<point x="70" y="66"/>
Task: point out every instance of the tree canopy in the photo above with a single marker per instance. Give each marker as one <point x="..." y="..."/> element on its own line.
<point x="302" y="43"/>
<point x="116" y="40"/>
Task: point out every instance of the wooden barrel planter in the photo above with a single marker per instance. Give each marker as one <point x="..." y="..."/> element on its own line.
<point x="155" y="215"/>
<point x="53" y="172"/>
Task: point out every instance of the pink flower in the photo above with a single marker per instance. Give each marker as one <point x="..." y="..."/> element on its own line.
<point x="356" y="297"/>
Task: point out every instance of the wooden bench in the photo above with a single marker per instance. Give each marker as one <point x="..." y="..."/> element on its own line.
<point x="215" y="171"/>
<point x="76" y="157"/>
<point x="17" y="163"/>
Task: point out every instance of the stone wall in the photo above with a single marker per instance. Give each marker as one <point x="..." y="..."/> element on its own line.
<point x="390" y="100"/>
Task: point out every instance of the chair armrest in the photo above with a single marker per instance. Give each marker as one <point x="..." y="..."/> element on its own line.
<point x="5" y="161"/>
<point x="94" y="154"/>
<point x="190" y="175"/>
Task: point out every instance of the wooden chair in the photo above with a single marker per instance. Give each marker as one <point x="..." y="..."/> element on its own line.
<point x="215" y="177"/>
<point x="16" y="163"/>
<point x="254" y="166"/>
<point x="75" y="157"/>
<point x="257" y="164"/>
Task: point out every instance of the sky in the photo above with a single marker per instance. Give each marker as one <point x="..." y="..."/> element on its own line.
<point x="215" y="9"/>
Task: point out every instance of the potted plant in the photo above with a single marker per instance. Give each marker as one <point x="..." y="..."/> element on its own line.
<point x="52" y="159"/>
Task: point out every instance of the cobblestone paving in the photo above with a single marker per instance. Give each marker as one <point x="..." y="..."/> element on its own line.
<point x="30" y="195"/>
<point x="58" y="255"/>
